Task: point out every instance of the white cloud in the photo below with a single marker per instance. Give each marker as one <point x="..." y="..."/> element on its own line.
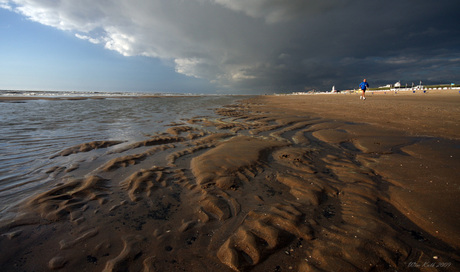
<point x="241" y="75"/>
<point x="121" y="42"/>
<point x="4" y="4"/>
<point x="187" y="66"/>
<point x="91" y="40"/>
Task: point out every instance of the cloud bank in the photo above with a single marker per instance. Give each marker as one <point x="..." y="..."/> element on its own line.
<point x="270" y="45"/>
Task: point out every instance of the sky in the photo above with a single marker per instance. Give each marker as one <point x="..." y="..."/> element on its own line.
<point x="226" y="46"/>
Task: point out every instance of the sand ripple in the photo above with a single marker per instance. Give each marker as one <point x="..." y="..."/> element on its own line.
<point x="253" y="190"/>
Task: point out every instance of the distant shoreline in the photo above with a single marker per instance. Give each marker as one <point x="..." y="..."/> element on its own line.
<point x="28" y="98"/>
<point x="21" y="98"/>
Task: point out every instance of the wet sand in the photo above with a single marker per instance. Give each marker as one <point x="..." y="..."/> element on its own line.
<point x="277" y="183"/>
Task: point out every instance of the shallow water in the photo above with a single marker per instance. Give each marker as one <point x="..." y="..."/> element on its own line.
<point x="32" y="131"/>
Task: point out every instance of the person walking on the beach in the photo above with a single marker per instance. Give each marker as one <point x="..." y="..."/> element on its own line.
<point x="364" y="85"/>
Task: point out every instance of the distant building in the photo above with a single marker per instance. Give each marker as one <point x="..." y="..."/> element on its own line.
<point x="398" y="84"/>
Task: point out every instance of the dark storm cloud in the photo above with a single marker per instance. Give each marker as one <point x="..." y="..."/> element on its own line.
<point x="272" y="45"/>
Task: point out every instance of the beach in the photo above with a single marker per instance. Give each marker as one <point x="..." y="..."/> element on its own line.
<point x="270" y="183"/>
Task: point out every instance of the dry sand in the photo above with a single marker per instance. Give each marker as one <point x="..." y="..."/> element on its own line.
<point x="279" y="183"/>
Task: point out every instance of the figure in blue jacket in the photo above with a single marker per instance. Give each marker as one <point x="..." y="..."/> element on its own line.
<point x="364" y="85"/>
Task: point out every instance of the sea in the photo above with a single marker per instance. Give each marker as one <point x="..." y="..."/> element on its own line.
<point x="32" y="131"/>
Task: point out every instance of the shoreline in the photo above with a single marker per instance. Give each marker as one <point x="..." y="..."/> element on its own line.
<point x="13" y="98"/>
<point x="25" y="98"/>
<point x="274" y="183"/>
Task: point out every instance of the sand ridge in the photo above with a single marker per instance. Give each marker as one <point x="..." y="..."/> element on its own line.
<point x="262" y="188"/>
